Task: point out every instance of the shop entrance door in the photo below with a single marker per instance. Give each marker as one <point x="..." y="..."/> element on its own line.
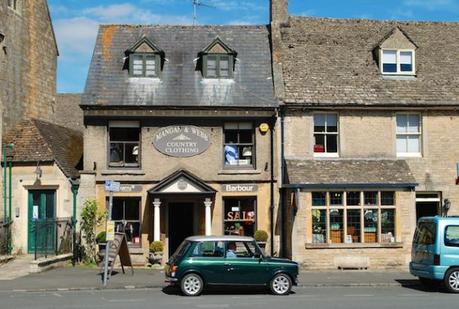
<point x="427" y="204"/>
<point x="41" y="221"/>
<point x="181" y="224"/>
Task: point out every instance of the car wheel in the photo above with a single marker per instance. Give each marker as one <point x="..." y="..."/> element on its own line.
<point x="192" y="285"/>
<point x="281" y="284"/>
<point x="452" y="280"/>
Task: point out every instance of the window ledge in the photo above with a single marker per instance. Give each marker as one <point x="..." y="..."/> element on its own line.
<point x="354" y="246"/>
<point x="123" y="172"/>
<point x="319" y="155"/>
<point x="239" y="172"/>
<point x="409" y="155"/>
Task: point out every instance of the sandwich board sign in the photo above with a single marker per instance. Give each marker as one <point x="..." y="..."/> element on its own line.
<point x="117" y="247"/>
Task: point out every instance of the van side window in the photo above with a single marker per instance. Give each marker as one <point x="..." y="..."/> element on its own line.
<point x="425" y="233"/>
<point x="452" y="236"/>
<point x="209" y="249"/>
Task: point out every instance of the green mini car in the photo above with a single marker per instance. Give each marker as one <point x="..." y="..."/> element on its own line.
<point x="202" y="261"/>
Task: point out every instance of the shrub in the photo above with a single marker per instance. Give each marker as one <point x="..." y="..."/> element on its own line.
<point x="101" y="237"/>
<point x="90" y="219"/>
<point x="261" y="236"/>
<point x="157" y="246"/>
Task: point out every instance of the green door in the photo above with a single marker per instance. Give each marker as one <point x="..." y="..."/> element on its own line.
<point x="41" y="221"/>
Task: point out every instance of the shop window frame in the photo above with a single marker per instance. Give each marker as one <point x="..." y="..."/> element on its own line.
<point x="362" y="207"/>
<point x="254" y="199"/>
<point x="140" y="221"/>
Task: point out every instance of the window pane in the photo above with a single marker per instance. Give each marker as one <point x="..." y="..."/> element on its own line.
<point x="336" y="198"/>
<point x="413" y="124"/>
<point x="224" y="73"/>
<point x="402" y="144"/>
<point x="319" y="198"/>
<point x="209" y="249"/>
<point x="332" y="143"/>
<point x="131" y="209"/>
<point x="246" y="137"/>
<point x="124" y="134"/>
<point x="402" y="123"/>
<point x="131" y="154"/>
<point x="231" y="137"/>
<point x="425" y="233"/>
<point x="224" y="64"/>
<point x="388" y="225"/>
<point x="319" y="123"/>
<point x="231" y="154"/>
<point x="389" y="68"/>
<point x="387" y="198"/>
<point x="370" y="198"/>
<point x="413" y="144"/>
<point x="452" y="236"/>
<point x="353" y="198"/>
<point x="336" y="225"/>
<point x="389" y="56"/>
<point x="353" y="225"/>
<point x="370" y="220"/>
<point x="332" y="123"/>
<point x="211" y="63"/>
<point x="406" y="61"/>
<point x="239" y="217"/>
<point x="211" y="73"/>
<point x="319" y="226"/>
<point x="319" y="145"/>
<point x="117" y="209"/>
<point x="116" y="152"/>
<point x="237" y="249"/>
<point x="132" y="230"/>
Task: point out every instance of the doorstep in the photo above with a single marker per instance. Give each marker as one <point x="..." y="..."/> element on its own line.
<point x="44" y="264"/>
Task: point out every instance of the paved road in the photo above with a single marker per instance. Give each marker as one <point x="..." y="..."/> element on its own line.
<point x="317" y="298"/>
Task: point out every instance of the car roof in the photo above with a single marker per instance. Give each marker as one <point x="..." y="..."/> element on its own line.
<point x="220" y="238"/>
<point x="438" y="219"/>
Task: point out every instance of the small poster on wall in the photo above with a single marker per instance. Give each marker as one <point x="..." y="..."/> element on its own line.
<point x="35" y="212"/>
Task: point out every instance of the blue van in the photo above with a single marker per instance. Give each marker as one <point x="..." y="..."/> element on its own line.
<point x="435" y="251"/>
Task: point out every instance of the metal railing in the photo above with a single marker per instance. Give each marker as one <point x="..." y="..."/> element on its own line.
<point x="52" y="237"/>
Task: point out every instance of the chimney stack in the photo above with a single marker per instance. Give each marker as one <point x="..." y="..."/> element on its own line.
<point x="279" y="12"/>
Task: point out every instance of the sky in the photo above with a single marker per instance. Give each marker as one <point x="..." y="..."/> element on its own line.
<point x="76" y="21"/>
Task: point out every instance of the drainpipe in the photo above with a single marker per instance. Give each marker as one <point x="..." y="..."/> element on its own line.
<point x="10" y="205"/>
<point x="4" y="186"/>
<point x="282" y="177"/>
<point x="273" y="122"/>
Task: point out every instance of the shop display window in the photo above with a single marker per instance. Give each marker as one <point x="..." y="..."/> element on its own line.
<point x="126" y="214"/>
<point x="240" y="216"/>
<point x="353" y="217"/>
<point x="239" y="148"/>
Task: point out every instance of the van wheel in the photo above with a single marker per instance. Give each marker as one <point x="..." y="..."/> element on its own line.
<point x="452" y="280"/>
<point x="281" y="284"/>
<point x="192" y="285"/>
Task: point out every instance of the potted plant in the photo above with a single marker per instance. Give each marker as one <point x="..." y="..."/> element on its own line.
<point x="101" y="240"/>
<point x="156" y="252"/>
<point x="261" y="237"/>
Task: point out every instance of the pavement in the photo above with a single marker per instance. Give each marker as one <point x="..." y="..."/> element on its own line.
<point x="18" y="267"/>
<point x="80" y="278"/>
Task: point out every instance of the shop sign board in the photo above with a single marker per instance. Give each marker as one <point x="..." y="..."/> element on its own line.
<point x="181" y="141"/>
<point x="130" y="188"/>
<point x="110" y="235"/>
<point x="239" y="188"/>
<point x="112" y="186"/>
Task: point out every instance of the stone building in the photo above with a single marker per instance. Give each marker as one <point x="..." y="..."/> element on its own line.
<point x="183" y="118"/>
<point x="28" y="62"/>
<point x="369" y="119"/>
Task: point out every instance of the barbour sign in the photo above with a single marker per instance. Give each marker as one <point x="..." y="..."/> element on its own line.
<point x="181" y="141"/>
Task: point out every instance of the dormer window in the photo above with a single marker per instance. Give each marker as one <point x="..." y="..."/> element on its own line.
<point x="145" y="59"/>
<point x="144" y="65"/>
<point x="218" y="60"/>
<point x="397" y="62"/>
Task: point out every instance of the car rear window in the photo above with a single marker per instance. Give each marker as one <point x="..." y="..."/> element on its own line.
<point x="452" y="236"/>
<point x="209" y="249"/>
<point x="180" y="250"/>
<point x="425" y="233"/>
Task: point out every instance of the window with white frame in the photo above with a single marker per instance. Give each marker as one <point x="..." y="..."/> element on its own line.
<point x="353" y="217"/>
<point x="395" y="61"/>
<point x="409" y="136"/>
<point x="326" y="134"/>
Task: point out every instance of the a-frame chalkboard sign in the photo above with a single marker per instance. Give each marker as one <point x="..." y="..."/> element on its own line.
<point x="116" y="247"/>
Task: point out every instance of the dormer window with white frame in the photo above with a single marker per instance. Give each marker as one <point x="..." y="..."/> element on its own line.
<point x="397" y="62"/>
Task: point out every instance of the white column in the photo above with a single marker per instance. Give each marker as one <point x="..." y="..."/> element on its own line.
<point x="208" y="205"/>
<point x="157" y="223"/>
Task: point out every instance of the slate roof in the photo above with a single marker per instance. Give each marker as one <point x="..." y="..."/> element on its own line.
<point x="40" y="141"/>
<point x="181" y="84"/>
<point x="350" y="172"/>
<point x="332" y="62"/>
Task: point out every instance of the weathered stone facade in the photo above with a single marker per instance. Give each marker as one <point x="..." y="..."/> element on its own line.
<point x="68" y="111"/>
<point x="29" y="61"/>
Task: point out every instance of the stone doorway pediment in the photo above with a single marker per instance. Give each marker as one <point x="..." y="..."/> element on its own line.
<point x="182" y="182"/>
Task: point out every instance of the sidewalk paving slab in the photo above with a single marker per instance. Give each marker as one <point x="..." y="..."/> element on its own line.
<point x="79" y="278"/>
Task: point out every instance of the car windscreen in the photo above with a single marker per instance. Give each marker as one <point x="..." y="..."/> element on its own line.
<point x="425" y="233"/>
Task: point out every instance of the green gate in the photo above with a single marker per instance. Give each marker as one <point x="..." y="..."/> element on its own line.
<point x="41" y="223"/>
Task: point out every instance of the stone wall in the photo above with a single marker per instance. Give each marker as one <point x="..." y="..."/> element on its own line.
<point x="68" y="111"/>
<point x="29" y="64"/>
